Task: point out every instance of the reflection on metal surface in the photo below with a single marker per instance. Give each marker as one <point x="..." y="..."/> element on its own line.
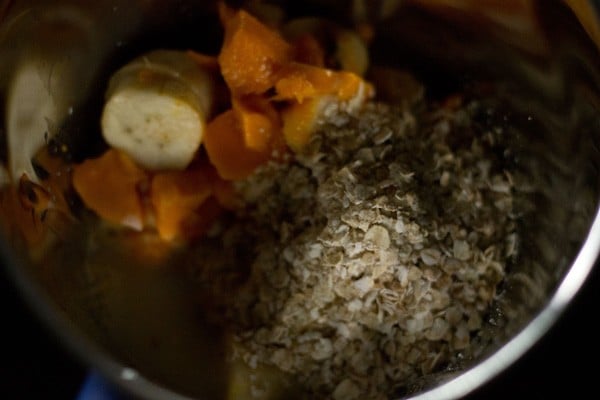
<point x="508" y="20"/>
<point x="587" y="13"/>
<point x="52" y="62"/>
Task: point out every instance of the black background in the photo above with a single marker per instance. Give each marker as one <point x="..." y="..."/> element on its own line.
<point x="34" y="365"/>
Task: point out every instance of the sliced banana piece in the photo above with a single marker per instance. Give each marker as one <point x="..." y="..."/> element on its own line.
<point x="156" y="109"/>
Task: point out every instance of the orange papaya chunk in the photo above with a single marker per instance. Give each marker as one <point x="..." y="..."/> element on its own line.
<point x="259" y="122"/>
<point x="175" y="195"/>
<point x="252" y="53"/>
<point x="227" y="150"/>
<point x="258" y="130"/>
<point x="108" y="185"/>
<point x="301" y="81"/>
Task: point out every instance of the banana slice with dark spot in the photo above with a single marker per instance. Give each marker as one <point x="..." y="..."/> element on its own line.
<point x="156" y="109"/>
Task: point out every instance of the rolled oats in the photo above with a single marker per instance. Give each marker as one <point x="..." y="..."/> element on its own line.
<point x="372" y="257"/>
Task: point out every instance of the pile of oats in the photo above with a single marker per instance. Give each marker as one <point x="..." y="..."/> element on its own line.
<point x="373" y="256"/>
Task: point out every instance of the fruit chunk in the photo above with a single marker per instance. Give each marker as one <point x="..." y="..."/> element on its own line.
<point x="300" y="81"/>
<point x="176" y="196"/>
<point x="108" y="185"/>
<point x="157" y="107"/>
<point x="244" y="137"/>
<point x="259" y="121"/>
<point x="227" y="149"/>
<point x="300" y="121"/>
<point x="310" y="91"/>
<point x="251" y="54"/>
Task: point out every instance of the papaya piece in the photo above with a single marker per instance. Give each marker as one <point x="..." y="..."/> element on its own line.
<point x="301" y="81"/>
<point x="258" y="130"/>
<point x="108" y="185"/>
<point x="259" y="122"/>
<point x="252" y="53"/>
<point x="222" y="190"/>
<point x="309" y="90"/>
<point x="226" y="148"/>
<point x="175" y="195"/>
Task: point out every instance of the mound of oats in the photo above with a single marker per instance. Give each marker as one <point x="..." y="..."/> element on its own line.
<point x="373" y="256"/>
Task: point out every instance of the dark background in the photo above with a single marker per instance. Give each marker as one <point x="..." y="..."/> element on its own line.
<point x="34" y="365"/>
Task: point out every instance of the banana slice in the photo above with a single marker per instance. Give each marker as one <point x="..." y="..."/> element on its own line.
<point x="156" y="109"/>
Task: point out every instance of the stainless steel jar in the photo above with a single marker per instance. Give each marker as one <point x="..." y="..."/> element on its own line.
<point x="55" y="57"/>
